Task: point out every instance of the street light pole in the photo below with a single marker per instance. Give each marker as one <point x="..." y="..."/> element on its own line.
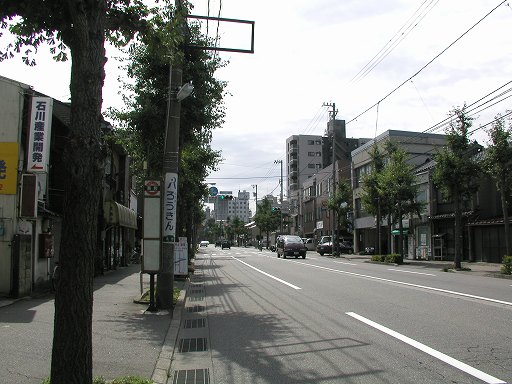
<point x="255" y="197"/>
<point x="281" y="195"/>
<point x="333" y="192"/>
<point x="165" y="282"/>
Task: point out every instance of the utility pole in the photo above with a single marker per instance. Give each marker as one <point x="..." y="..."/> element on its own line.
<point x="281" y="195"/>
<point x="255" y="197"/>
<point x="165" y="282"/>
<point x="333" y="192"/>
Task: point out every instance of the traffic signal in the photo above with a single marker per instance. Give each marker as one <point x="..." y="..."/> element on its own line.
<point x="226" y="197"/>
<point x="276" y="209"/>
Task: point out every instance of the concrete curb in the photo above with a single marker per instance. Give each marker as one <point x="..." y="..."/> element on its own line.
<point x="163" y="364"/>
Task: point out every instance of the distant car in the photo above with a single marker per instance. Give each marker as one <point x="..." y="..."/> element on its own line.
<point x="343" y="247"/>
<point x="218" y="243"/>
<point x="309" y="243"/>
<point x="225" y="244"/>
<point x="290" y="245"/>
<point x="204" y="243"/>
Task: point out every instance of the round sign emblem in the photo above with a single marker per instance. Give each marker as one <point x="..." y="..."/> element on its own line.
<point x="213" y="191"/>
<point x="152" y="188"/>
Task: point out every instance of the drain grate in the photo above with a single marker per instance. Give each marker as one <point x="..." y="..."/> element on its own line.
<point x="191" y="376"/>
<point x="196" y="308"/>
<point x="193" y="345"/>
<point x="195" y="323"/>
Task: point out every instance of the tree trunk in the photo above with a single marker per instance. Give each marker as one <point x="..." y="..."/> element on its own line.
<point x="400" y="229"/>
<point x="72" y="340"/>
<point x="458" y="234"/>
<point x="378" y="248"/>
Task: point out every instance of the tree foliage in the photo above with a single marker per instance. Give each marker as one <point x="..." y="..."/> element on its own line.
<point x="341" y="203"/>
<point x="397" y="182"/>
<point x="456" y="171"/>
<point x="266" y="219"/>
<point x="497" y="162"/>
<point x="143" y="119"/>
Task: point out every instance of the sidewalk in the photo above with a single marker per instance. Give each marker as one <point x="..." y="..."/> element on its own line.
<point x="127" y="340"/>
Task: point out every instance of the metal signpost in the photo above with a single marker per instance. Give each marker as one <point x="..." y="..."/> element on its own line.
<point x="151" y="249"/>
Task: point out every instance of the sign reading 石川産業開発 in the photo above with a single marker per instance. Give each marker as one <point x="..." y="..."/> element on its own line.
<point x="40" y="132"/>
<point x="8" y="168"/>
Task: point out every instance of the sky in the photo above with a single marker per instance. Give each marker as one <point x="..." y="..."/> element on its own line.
<point x="388" y="64"/>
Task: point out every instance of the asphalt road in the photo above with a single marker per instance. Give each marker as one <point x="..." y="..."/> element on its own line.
<point x="326" y="320"/>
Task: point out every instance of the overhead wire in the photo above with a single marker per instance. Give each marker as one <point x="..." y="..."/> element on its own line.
<point x="428" y="63"/>
<point x="400" y="35"/>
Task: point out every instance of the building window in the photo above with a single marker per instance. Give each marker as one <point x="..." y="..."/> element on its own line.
<point x="311" y="165"/>
<point x="311" y="154"/>
<point x="311" y="142"/>
<point x="318" y="142"/>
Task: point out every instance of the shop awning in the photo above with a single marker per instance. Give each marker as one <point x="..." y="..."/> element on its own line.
<point x="118" y="214"/>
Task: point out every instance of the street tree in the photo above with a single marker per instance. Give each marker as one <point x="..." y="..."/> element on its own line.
<point x="143" y="119"/>
<point x="372" y="199"/>
<point x="341" y="203"/>
<point x="266" y="219"/>
<point x="397" y="181"/>
<point x="456" y="172"/>
<point x="237" y="228"/>
<point x="497" y="162"/>
<point x="77" y="28"/>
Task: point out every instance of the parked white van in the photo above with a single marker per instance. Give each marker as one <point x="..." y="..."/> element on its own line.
<point x="309" y="243"/>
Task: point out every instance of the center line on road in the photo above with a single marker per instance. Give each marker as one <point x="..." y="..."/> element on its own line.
<point x="417" y="273"/>
<point x="432" y="352"/>
<point x="267" y="274"/>
<point x="408" y="284"/>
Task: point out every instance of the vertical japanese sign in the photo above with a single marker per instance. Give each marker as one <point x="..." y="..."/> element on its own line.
<point x="8" y="168"/>
<point x="40" y="133"/>
<point x="170" y="205"/>
<point x="181" y="257"/>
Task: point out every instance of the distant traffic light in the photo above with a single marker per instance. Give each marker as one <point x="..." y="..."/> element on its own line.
<point x="226" y="197"/>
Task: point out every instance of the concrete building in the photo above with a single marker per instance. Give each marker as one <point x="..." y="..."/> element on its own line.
<point x="34" y="133"/>
<point x="226" y="205"/>
<point x="304" y="158"/>
<point x="421" y="148"/>
<point x="308" y="156"/>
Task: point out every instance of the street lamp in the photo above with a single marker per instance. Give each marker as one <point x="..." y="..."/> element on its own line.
<point x="185" y="91"/>
<point x="281" y="196"/>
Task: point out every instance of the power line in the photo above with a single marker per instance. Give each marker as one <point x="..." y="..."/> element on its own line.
<point x="400" y="35"/>
<point x="427" y="64"/>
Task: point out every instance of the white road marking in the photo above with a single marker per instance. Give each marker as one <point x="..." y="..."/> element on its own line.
<point x="417" y="273"/>
<point x="409" y="284"/>
<point x="267" y="274"/>
<point x="432" y="352"/>
<point x="343" y="262"/>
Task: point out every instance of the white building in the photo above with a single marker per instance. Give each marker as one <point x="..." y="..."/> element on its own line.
<point x="226" y="205"/>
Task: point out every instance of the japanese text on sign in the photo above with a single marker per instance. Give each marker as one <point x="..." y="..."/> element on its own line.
<point x="40" y="132"/>
<point x="170" y="205"/>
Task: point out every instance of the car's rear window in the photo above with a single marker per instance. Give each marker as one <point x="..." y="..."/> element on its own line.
<point x="293" y="239"/>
